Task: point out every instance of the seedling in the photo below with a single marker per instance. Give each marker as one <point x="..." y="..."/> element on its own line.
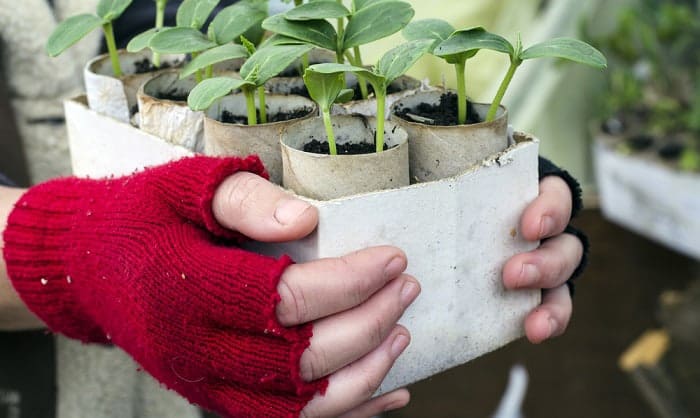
<point x="461" y="45"/>
<point x="326" y="89"/>
<point x="227" y="26"/>
<point x="439" y="31"/>
<point x="141" y="40"/>
<point x="185" y="37"/>
<point x="391" y="66"/>
<point x="75" y="28"/>
<point x="264" y="64"/>
<point x="190" y="14"/>
<point x="367" y="21"/>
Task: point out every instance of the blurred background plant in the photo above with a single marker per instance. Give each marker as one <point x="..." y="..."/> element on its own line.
<point x="653" y="98"/>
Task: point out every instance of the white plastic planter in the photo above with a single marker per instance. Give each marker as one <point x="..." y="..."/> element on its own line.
<point x="648" y="197"/>
<point x="457" y="233"/>
<point x="116" y="97"/>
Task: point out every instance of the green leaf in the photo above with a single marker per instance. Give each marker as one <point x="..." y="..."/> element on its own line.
<point x="566" y="48"/>
<point x="194" y="13"/>
<point x="204" y="94"/>
<point x="70" y="31"/>
<point x="326" y="9"/>
<point x="324" y="88"/>
<point x="345" y="96"/>
<point x="316" y="32"/>
<point x="233" y="21"/>
<point x="270" y="61"/>
<point x="436" y="29"/>
<point x="141" y="41"/>
<point x="109" y="10"/>
<point x="399" y="59"/>
<point x="180" y="41"/>
<point x="376" y="22"/>
<point x="213" y="56"/>
<point x="335" y="68"/>
<point x="278" y="39"/>
<point x="361" y="4"/>
<point x="468" y="42"/>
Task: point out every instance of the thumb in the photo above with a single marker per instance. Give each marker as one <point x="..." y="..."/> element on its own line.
<point x="258" y="209"/>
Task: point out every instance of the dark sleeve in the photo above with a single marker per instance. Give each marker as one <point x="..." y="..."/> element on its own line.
<point x="547" y="168"/>
<point x="4" y="181"/>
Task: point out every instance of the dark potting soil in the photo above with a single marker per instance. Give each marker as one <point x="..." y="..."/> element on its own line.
<point x="174" y="95"/>
<point x="145" y="66"/>
<point x="370" y="91"/>
<point x="317" y="147"/>
<point x="671" y="151"/>
<point x="443" y="114"/>
<point x="228" y="117"/>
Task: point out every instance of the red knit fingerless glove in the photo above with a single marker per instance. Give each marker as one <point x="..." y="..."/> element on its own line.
<point x="140" y="261"/>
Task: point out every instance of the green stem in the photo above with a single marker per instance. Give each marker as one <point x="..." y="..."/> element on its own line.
<point x="160" y="17"/>
<point x="209" y="71"/>
<point x="361" y="81"/>
<point x="250" y="106"/>
<point x="261" y="102"/>
<point x="491" y="115"/>
<point x="160" y="13"/>
<point x="304" y="62"/>
<point x="198" y="74"/>
<point x="461" y="93"/>
<point x="112" y="48"/>
<point x="339" y="50"/>
<point x="381" y="105"/>
<point x="329" y="131"/>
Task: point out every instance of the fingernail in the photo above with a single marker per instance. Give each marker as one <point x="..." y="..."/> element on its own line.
<point x="400" y="343"/>
<point x="395" y="267"/>
<point x="546" y="226"/>
<point x="289" y="210"/>
<point x="528" y="275"/>
<point x="409" y="291"/>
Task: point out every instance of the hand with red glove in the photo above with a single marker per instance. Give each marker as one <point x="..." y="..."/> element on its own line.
<point x="148" y="262"/>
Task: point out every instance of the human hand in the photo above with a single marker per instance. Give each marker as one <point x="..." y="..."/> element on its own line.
<point x="140" y="261"/>
<point x="354" y="301"/>
<point x="550" y="265"/>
